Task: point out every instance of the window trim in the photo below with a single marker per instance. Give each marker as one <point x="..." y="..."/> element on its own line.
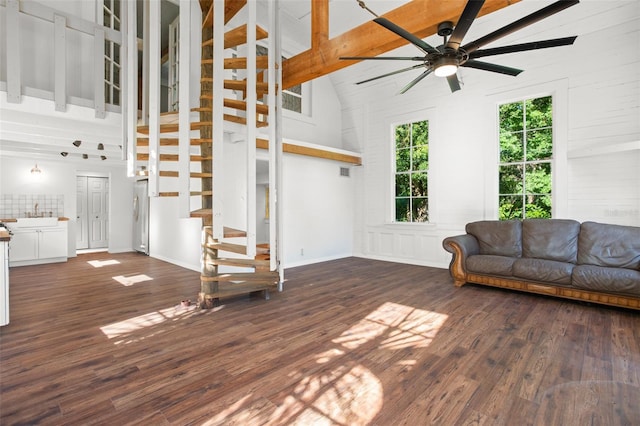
<point x="558" y="90"/>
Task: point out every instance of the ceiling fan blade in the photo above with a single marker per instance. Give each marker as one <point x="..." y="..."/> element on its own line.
<point x="469" y="14"/>
<point x="523" y="47"/>
<point x="387" y="58"/>
<point x="454" y="83"/>
<point x="419" y="43"/>
<point x="415" y="81"/>
<point x="391" y="73"/>
<point x="520" y="23"/>
<point x="491" y="67"/>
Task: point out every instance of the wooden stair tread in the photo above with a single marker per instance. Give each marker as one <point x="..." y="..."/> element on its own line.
<point x="226" y="289"/>
<point x="262" y="62"/>
<point x="261" y="87"/>
<point x="173" y="141"/>
<point x="224" y="246"/>
<point x="237" y="36"/>
<point x="245" y="276"/>
<point x="233" y="233"/>
<point x="173" y="127"/>
<point x="231" y="8"/>
<point x="173" y="173"/>
<point x="201" y="213"/>
<point x="245" y="263"/>
<point x="196" y="193"/>
<point x="242" y="105"/>
<point x="243" y="120"/>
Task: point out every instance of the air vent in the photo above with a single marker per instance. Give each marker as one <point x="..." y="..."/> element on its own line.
<point x="344" y="171"/>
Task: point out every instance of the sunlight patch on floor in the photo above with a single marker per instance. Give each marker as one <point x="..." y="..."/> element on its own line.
<point x="101" y="263"/>
<point x="341" y="391"/>
<point x="402" y="326"/>
<point x="147" y="325"/>
<point x="131" y="280"/>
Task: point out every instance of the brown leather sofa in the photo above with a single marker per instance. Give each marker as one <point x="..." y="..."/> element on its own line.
<point x="591" y="261"/>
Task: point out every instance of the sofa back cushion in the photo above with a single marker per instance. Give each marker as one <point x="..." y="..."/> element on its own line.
<point x="498" y="237"/>
<point x="551" y="239"/>
<point x="609" y="245"/>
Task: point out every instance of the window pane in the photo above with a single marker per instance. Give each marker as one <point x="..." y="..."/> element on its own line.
<point x="511" y="147"/>
<point x="106" y="18"/>
<point x="420" y="157"/>
<point x="538" y="178"/>
<point x="538" y="206"/>
<point x="116" y="8"/>
<point x="402" y="185"/>
<point x="511" y="179"/>
<point x="510" y="207"/>
<point x="107" y="48"/>
<point x="419" y="184"/>
<point x="539" y="144"/>
<point x="403" y="160"/>
<point x="107" y="93"/>
<point x="511" y="117"/>
<point x="403" y="137"/>
<point x="116" y="24"/>
<point x="420" y="132"/>
<point x="107" y="70"/>
<point x="116" y="96"/>
<point x="116" y="53"/>
<point x="403" y="214"/>
<point x="539" y="113"/>
<point x="291" y="102"/>
<point x="420" y="210"/>
<point x="295" y="89"/>
<point x="116" y="75"/>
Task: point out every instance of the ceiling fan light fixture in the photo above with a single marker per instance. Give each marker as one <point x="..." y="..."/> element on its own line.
<point x="444" y="67"/>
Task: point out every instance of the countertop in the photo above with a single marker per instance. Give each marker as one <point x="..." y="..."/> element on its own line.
<point x="4" y="234"/>
<point x="62" y="219"/>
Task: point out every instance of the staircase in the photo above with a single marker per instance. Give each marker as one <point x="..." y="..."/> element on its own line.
<point x="226" y="268"/>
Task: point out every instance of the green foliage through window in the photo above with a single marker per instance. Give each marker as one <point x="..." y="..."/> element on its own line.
<point x="411" y="175"/>
<point x="526" y="152"/>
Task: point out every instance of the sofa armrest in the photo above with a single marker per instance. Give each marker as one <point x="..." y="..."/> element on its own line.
<point x="461" y="246"/>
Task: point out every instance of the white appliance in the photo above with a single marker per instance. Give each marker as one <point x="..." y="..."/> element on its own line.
<point x="141" y="216"/>
<point x="4" y="282"/>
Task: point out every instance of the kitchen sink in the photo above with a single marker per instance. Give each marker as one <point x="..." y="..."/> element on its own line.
<point x="25" y="222"/>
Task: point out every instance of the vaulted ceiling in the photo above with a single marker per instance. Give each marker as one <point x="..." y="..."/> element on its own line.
<point x="420" y="17"/>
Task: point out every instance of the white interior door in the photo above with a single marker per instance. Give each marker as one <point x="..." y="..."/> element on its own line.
<point x="98" y="209"/>
<point x="82" y="216"/>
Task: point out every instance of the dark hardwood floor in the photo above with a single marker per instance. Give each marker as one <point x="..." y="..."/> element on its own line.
<point x="103" y="340"/>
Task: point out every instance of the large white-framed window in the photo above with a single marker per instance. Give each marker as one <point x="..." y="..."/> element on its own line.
<point x="526" y="158"/>
<point x="109" y="15"/>
<point x="411" y="171"/>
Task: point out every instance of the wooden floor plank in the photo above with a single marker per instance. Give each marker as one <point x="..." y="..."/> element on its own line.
<point x="103" y="339"/>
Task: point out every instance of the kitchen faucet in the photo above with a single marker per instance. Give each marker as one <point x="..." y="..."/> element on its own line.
<point x="35" y="210"/>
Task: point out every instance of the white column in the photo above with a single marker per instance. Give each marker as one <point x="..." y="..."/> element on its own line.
<point x="98" y="72"/>
<point x="60" y="62"/>
<point x="154" y="97"/>
<point x="14" y="81"/>
<point x="218" y="119"/>
<point x="184" y="134"/>
<point x="251" y="100"/>
<point x="130" y="86"/>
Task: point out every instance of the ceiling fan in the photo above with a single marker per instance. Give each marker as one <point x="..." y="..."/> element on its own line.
<point x="444" y="60"/>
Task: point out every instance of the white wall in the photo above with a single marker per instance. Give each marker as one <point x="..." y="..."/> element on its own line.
<point x="597" y="135"/>
<point x="318" y="208"/>
<point x="59" y="177"/>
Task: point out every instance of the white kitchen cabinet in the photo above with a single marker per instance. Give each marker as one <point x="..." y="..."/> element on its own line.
<point x="34" y="245"/>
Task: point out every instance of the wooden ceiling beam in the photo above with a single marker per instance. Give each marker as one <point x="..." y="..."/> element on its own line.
<point x="319" y="23"/>
<point x="420" y="17"/>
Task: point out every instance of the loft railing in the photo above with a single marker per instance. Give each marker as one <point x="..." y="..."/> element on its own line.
<point x="46" y="57"/>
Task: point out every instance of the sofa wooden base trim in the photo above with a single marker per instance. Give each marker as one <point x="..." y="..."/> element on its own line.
<point x="565" y="292"/>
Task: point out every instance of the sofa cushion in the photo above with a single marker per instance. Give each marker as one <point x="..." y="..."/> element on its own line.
<point x="490" y="264"/>
<point x="543" y="270"/>
<point x="605" y="279"/>
<point x="552" y="239"/>
<point x="609" y="245"/>
<point x="498" y="237"/>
